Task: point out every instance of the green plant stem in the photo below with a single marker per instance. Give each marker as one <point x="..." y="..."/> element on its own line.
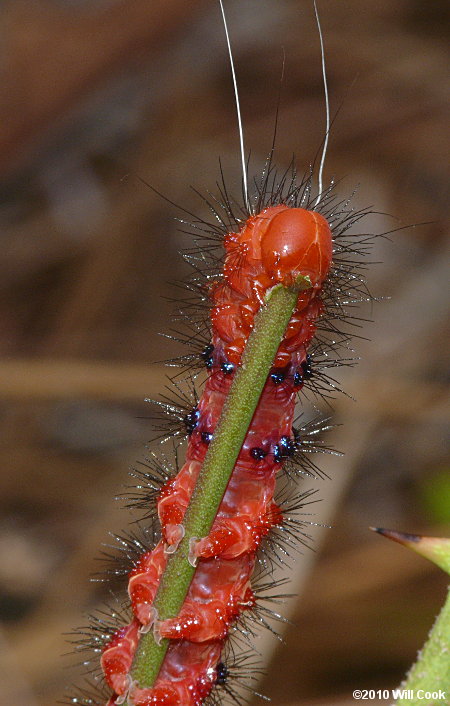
<point x="229" y="435"/>
<point x="431" y="672"/>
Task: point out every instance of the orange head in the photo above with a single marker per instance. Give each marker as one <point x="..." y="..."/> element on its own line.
<point x="296" y="242"/>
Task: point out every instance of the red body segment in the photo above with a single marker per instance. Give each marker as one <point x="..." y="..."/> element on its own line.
<point x="218" y="594"/>
<point x="186" y="678"/>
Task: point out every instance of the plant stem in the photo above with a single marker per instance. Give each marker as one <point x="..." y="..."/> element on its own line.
<point x="431" y="672"/>
<point x="229" y="435"/>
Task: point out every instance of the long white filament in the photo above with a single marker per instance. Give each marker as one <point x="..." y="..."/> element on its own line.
<point x="327" y="104"/>
<point x="238" y="109"/>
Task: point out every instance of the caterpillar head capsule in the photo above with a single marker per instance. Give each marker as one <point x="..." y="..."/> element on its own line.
<point x="296" y="242"/>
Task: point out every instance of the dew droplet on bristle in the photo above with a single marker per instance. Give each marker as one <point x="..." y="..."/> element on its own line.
<point x="206" y="437"/>
<point x="258" y="453"/>
<point x="191" y="420"/>
<point x="277" y="377"/>
<point x="307" y="367"/>
<point x="207" y="355"/>
<point x="298" y="379"/>
<point x="287" y="446"/>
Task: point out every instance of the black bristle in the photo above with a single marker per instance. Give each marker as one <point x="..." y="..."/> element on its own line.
<point x="308" y="442"/>
<point x="149" y="476"/>
<point x="93" y="693"/>
<point x="88" y="641"/>
<point x="169" y="422"/>
<point x="239" y="671"/>
<point x="126" y="549"/>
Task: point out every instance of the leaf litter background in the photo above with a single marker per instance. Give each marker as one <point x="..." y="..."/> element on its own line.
<point x="95" y="96"/>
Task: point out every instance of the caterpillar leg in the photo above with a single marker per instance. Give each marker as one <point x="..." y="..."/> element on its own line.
<point x="117" y="658"/>
<point x="173" y="501"/>
<point x="143" y="583"/>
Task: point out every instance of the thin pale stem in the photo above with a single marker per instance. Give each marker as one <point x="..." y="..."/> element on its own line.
<point x="238" y="410"/>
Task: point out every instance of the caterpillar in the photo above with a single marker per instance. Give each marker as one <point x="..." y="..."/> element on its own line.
<point x="275" y="305"/>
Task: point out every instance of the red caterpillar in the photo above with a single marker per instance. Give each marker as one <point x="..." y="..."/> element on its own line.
<point x="276" y="246"/>
<point x="282" y="240"/>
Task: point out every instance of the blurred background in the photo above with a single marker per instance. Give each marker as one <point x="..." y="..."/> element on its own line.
<point x="97" y="96"/>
